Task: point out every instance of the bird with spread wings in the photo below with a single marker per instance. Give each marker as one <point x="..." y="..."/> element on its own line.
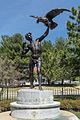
<point x="47" y="19"/>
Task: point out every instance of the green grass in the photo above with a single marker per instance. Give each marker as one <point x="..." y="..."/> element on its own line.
<point x="76" y="113"/>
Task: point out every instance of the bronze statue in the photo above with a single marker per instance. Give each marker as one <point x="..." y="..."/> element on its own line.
<point x="35" y="48"/>
<point x="47" y="19"/>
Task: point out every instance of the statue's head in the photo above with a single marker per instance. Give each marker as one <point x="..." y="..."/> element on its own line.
<point x="28" y="37"/>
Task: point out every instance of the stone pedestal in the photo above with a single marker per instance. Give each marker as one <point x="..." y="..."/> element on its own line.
<point x="35" y="105"/>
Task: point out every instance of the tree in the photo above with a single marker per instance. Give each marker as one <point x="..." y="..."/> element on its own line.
<point x="47" y="60"/>
<point x="73" y="42"/>
<point x="55" y="61"/>
<point x="11" y="47"/>
<point x="8" y="73"/>
<point x="73" y="26"/>
<point x="61" y="68"/>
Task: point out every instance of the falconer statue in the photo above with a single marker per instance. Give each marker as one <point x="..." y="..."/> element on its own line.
<point x="35" y="45"/>
<point x="35" y="59"/>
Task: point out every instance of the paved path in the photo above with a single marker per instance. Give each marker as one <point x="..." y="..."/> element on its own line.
<point x="6" y="116"/>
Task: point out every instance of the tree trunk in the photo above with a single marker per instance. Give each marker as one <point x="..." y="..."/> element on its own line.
<point x="62" y="87"/>
<point x="48" y="82"/>
<point x="62" y="81"/>
<point x="70" y="81"/>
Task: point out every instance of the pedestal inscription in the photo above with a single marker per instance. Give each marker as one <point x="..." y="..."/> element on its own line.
<point x="34" y="97"/>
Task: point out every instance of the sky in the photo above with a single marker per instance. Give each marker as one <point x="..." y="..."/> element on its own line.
<point x="14" y="17"/>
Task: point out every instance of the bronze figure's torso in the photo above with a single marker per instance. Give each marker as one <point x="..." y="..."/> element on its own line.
<point x="35" y="49"/>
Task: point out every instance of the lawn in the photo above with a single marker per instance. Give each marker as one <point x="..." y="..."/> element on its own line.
<point x="76" y="113"/>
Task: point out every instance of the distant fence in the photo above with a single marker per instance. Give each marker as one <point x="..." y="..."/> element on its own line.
<point x="11" y="92"/>
<point x="69" y="91"/>
<point x="8" y="93"/>
<point x="66" y="91"/>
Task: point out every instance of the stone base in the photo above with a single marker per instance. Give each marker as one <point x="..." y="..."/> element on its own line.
<point x="35" y="104"/>
<point x="64" y="115"/>
<point x="35" y="111"/>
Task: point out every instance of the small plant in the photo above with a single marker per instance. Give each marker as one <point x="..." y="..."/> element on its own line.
<point x="5" y="105"/>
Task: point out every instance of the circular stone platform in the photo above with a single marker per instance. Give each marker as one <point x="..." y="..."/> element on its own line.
<point x="65" y="115"/>
<point x="38" y="105"/>
<point x="35" y="105"/>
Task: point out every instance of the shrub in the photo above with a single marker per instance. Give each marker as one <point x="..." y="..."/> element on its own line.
<point x="5" y="105"/>
<point x="67" y="104"/>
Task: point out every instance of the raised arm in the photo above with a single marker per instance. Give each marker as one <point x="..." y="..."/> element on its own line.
<point x="44" y="35"/>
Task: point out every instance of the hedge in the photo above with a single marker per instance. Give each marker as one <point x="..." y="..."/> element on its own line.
<point x="68" y="104"/>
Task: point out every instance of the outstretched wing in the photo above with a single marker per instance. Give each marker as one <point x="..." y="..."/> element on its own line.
<point x="53" y="13"/>
<point x="33" y="16"/>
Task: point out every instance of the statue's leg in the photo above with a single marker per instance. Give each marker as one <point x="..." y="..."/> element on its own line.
<point x="39" y="73"/>
<point x="31" y="66"/>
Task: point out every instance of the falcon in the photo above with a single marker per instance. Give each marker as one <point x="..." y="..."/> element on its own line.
<point x="47" y="19"/>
